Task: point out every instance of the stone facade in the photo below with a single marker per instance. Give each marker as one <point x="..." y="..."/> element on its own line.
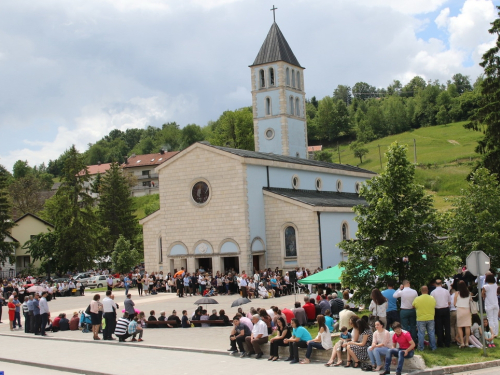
<point x="181" y="221"/>
<point x="281" y="214"/>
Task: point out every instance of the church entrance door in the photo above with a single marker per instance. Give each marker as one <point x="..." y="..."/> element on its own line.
<point x="256" y="265"/>
<point x="231" y="263"/>
<point x="204" y="263"/>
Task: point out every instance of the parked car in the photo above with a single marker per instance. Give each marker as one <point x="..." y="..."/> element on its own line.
<point x="99" y="281"/>
<point x="61" y="280"/>
<point x="83" y="278"/>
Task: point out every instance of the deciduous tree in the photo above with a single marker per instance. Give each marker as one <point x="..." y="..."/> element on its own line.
<point x="6" y="224"/>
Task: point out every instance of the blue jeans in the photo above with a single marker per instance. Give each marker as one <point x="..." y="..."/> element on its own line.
<point x="126" y="288"/>
<point x="375" y="354"/>
<point x="310" y="347"/>
<point x="400" y="355"/>
<point x="409" y="322"/>
<point x="427" y="325"/>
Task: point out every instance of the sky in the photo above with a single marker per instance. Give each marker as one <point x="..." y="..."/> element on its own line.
<point x="71" y="71"/>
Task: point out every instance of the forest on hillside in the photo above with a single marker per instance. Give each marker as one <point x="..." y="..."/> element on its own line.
<point x="361" y="113"/>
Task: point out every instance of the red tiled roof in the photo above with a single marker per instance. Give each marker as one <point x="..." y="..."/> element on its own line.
<point x="314" y="148"/>
<point x="148" y="159"/>
<point x="95" y="169"/>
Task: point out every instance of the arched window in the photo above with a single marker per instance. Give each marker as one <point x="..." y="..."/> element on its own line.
<point x="160" y="251"/>
<point x="345" y="231"/>
<point x="293" y="78"/>
<point x="288" y="76"/>
<point x="271" y="77"/>
<point x="262" y="79"/>
<point x="268" y="107"/>
<point x="290" y="242"/>
<point x="357" y="187"/>
<point x="339" y="186"/>
<point x="290" y="102"/>
<point x="297" y="109"/>
<point x="298" y="80"/>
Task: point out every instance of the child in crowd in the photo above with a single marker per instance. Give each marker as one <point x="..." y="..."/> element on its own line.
<point x="345" y="337"/>
<point x="487" y="334"/>
<point x="475" y="332"/>
<point x="185" y="320"/>
<point x="134" y="328"/>
<point x="142" y="319"/>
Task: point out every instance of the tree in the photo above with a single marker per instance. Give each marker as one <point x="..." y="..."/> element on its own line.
<point x="397" y="228"/>
<point x="395" y="88"/>
<point x="323" y="155"/>
<point x="234" y="129"/>
<point x="363" y="91"/>
<point x="95" y="187"/>
<point x="41" y="247"/>
<point x="25" y="193"/>
<point x="21" y="169"/>
<point x="359" y="150"/>
<point x="116" y="207"/>
<point x="443" y="117"/>
<point x="343" y="93"/>
<point x="71" y="212"/>
<point x="325" y="118"/>
<point x="474" y="221"/>
<point x="124" y="256"/>
<point x="190" y="134"/>
<point x="416" y="84"/>
<point x="462" y="83"/>
<point x="6" y="223"/>
<point x="487" y="114"/>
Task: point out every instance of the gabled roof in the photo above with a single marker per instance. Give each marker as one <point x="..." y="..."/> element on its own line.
<point x="36" y="217"/>
<point x="290" y="159"/>
<point x="319" y="198"/>
<point x="12" y="238"/>
<point x="275" y="48"/>
<point x="148" y="159"/>
<point x="96" y="169"/>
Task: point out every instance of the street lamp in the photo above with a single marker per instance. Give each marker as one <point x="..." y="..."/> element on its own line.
<point x="48" y="268"/>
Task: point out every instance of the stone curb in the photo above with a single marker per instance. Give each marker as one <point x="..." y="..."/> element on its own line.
<point x="458" y="368"/>
<point x="51" y="367"/>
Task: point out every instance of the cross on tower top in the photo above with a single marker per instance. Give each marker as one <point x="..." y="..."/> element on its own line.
<point x="274" y="13"/>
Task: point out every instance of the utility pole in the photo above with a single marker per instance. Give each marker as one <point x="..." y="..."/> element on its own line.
<point x="338" y="149"/>
<point x="415" y="151"/>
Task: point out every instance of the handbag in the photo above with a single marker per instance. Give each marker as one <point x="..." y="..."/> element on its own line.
<point x="373" y="318"/>
<point x="473" y="306"/>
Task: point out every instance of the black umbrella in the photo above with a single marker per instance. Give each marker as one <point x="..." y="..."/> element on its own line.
<point x="240" y="301"/>
<point x="206" y="301"/>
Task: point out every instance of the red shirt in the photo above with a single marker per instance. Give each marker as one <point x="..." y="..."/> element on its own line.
<point x="310" y="311"/>
<point x="289" y="315"/>
<point x="403" y="340"/>
<point x="55" y="322"/>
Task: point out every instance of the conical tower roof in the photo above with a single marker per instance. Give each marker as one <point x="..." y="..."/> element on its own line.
<point x="275" y="48"/>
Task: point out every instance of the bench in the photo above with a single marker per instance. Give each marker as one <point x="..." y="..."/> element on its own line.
<point x="197" y="323"/>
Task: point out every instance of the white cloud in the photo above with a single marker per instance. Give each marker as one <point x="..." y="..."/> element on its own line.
<point x="442" y="19"/>
<point x="407" y="6"/>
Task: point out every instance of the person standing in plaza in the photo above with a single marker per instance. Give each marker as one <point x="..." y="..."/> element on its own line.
<point x="12" y="312"/>
<point x="139" y="284"/>
<point x="425" y="308"/>
<point x="453" y="317"/>
<point x="26" y="315"/>
<point x="109" y="309"/>
<point x="180" y="286"/>
<point x="44" y="313"/>
<point x="378" y="307"/>
<point x="126" y="283"/>
<point x="17" y="317"/>
<point x="109" y="282"/>
<point x="408" y="314"/>
<point x="464" y="317"/>
<point x="489" y="294"/>
<point x="258" y="337"/>
<point x="129" y="306"/>
<point x="442" y="315"/>
<point x="31" y="327"/>
<point x="36" y="314"/>
<point x="243" y="285"/>
<point x="392" y="314"/>
<point x="96" y="315"/>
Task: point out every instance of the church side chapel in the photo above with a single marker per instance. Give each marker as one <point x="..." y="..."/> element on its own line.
<point x="223" y="208"/>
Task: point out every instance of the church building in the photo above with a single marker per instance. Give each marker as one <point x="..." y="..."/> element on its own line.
<point x="224" y="208"/>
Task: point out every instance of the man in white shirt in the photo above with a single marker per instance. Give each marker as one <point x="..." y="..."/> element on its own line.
<point x="44" y="313"/>
<point x="109" y="310"/>
<point x="243" y="285"/>
<point x="408" y="315"/>
<point x="442" y="315"/>
<point x="262" y="291"/>
<point x="257" y="338"/>
<point x="109" y="281"/>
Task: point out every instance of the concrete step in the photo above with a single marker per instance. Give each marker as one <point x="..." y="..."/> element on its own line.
<point x="411" y="364"/>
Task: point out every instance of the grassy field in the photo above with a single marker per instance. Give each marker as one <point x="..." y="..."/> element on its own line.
<point x="445" y="155"/>
<point x="141" y="202"/>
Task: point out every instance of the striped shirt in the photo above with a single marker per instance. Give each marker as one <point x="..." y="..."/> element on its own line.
<point x="121" y="327"/>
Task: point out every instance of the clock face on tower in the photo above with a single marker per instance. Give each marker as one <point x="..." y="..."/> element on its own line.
<point x="200" y="192"/>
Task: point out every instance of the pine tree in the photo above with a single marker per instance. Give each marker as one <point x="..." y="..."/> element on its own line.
<point x="116" y="207"/>
<point x="487" y="114"/>
<point x="397" y="229"/>
<point x="71" y="211"/>
<point x="6" y="223"/>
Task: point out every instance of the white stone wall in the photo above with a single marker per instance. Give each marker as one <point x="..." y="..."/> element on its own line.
<point x="280" y="214"/>
<point x="225" y="216"/>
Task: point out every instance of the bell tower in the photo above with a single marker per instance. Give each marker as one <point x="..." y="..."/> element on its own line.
<point x="278" y="98"/>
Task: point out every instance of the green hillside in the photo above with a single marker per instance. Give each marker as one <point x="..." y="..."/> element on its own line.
<point x="445" y="155"/>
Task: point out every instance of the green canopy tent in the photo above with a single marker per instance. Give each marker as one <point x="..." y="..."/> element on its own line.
<point x="328" y="276"/>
